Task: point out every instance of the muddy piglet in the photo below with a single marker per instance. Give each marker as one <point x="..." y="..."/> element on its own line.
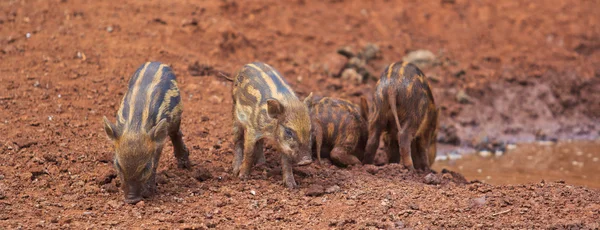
<point x="339" y="129"/>
<point x="403" y="106"/>
<point x="149" y="113"/>
<point x="265" y="108"/>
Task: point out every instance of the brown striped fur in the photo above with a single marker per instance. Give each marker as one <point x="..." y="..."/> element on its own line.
<point x="149" y="113"/>
<point x="403" y="105"/>
<point x="338" y="130"/>
<point x="266" y="108"/>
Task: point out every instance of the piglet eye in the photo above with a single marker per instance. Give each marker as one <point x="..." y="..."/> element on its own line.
<point x="148" y="166"/>
<point x="288" y="133"/>
<point x="117" y="165"/>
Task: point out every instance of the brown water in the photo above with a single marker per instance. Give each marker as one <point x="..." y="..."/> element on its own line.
<point x="575" y="163"/>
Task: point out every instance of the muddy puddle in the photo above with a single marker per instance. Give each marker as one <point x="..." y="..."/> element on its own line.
<point x="575" y="162"/>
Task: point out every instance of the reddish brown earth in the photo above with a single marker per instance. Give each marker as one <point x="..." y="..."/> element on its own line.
<point x="529" y="67"/>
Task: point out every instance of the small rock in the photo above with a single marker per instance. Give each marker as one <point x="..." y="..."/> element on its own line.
<point x="215" y="99"/>
<point x="459" y="73"/>
<point x="432" y="179"/>
<point x="109" y="29"/>
<point x="462" y="97"/>
<point x="333" y="189"/>
<point x="2" y="196"/>
<point x="352" y="76"/>
<point x="79" y="183"/>
<point x="485" y="153"/>
<point x="113" y="204"/>
<point x="399" y="224"/>
<point x="346" y="51"/>
<point x="447" y="176"/>
<point x="24" y="143"/>
<point x="110" y="188"/>
<point x="189" y="22"/>
<point x="372" y="169"/>
<point x="420" y="58"/>
<point x="498" y="153"/>
<point x="479" y="201"/>
<point x="140" y="204"/>
<point x="108" y="178"/>
<point x="315" y="190"/>
<point x="356" y="63"/>
<point x="253" y="192"/>
<point x="162" y="179"/>
<point x="202" y="174"/>
<point x="371" y="51"/>
<point x="81" y="55"/>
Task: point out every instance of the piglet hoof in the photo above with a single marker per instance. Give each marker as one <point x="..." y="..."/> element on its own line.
<point x="290" y="183"/>
<point x="304" y="162"/>
<point x="184" y="164"/>
<point x="235" y="171"/>
<point x="243" y="176"/>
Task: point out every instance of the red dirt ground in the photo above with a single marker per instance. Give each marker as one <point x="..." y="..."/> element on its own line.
<point x="530" y="67"/>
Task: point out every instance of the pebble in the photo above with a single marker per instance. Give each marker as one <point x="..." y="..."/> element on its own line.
<point x="511" y="146"/>
<point x="479" y="201"/>
<point x="253" y="192"/>
<point x="545" y="143"/>
<point x="421" y="58"/>
<point x="202" y="174"/>
<point x="441" y="158"/>
<point x="454" y="156"/>
<point x="462" y="97"/>
<point x="315" y="190"/>
<point x="485" y="153"/>
<point x="372" y="169"/>
<point x="498" y="153"/>
<point x="352" y="76"/>
<point x="399" y="224"/>
<point x="140" y="204"/>
<point x="113" y="204"/>
<point x="432" y="179"/>
<point x="333" y="189"/>
<point x="215" y="99"/>
<point x="447" y="176"/>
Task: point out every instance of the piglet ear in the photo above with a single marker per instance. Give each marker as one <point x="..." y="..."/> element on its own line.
<point x="308" y="100"/>
<point x="364" y="108"/>
<point x="159" y="132"/>
<point x="274" y="108"/>
<point x="111" y="130"/>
